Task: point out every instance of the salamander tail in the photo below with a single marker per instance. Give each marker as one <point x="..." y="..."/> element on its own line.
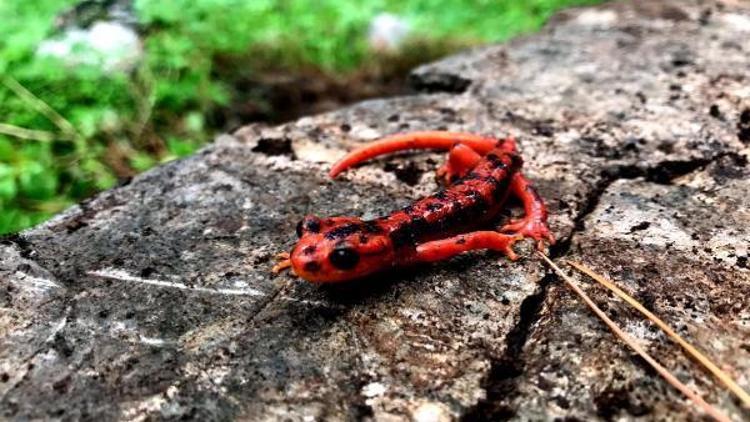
<point x="416" y="140"/>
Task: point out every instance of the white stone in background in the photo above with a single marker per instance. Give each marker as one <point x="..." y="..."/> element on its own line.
<point x="739" y="22"/>
<point x="111" y="45"/>
<point x="374" y="389"/>
<point x="431" y="412"/>
<point x="595" y="17"/>
<point x="387" y="32"/>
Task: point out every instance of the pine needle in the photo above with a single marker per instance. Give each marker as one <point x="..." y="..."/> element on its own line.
<point x="692" y="351"/>
<point x="630" y="341"/>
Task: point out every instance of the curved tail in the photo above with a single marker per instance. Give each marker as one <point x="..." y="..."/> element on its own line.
<point x="418" y="140"/>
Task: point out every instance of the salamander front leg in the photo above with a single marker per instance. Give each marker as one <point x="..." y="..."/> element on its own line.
<point x="534" y="223"/>
<point x="283" y="262"/>
<point x="438" y="250"/>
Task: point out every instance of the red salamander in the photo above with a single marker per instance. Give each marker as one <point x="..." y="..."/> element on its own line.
<point x="480" y="174"/>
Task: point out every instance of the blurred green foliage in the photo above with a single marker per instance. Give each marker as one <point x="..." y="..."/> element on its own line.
<point x="67" y="132"/>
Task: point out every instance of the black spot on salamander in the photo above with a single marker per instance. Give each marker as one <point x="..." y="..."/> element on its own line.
<point x="408" y="209"/>
<point x="434" y="206"/>
<point x="471" y="176"/>
<point x="515" y="161"/>
<point x="312" y="226"/>
<point x="308" y="225"/>
<point x="494" y="159"/>
<point x="470" y="213"/>
<point x="410" y="232"/>
<point x="372" y="227"/>
<point x="363" y="239"/>
<point x="490" y="180"/>
<point x="440" y="195"/>
<point x="499" y="187"/>
<point x="478" y="204"/>
<point x="503" y="186"/>
<point x="401" y="236"/>
<point x="473" y="195"/>
<point x="343" y="231"/>
<point x="513" y="166"/>
<point x="309" y="250"/>
<point x="311" y="267"/>
<point x="460" y="241"/>
<point x="420" y="227"/>
<point x="455" y="217"/>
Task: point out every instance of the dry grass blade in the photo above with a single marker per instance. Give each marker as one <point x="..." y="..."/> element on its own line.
<point x="23" y="133"/>
<point x="671" y="379"/>
<point x="700" y="357"/>
<point x="37" y="104"/>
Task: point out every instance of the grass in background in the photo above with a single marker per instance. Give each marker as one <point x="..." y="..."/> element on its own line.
<point x="67" y="132"/>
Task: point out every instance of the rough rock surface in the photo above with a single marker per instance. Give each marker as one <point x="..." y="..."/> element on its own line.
<point x="154" y="299"/>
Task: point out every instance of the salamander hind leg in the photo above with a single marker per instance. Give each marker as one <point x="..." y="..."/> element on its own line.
<point x="438" y="250"/>
<point x="461" y="159"/>
<point x="534" y="223"/>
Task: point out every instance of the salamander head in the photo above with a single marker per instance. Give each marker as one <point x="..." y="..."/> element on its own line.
<point x="339" y="249"/>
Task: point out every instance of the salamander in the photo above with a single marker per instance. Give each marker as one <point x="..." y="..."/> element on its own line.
<point x="479" y="175"/>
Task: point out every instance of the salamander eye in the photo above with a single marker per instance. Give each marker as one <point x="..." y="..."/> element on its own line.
<point x="344" y="257"/>
<point x="309" y="224"/>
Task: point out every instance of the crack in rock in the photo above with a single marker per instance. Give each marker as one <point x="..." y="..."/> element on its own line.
<point x="501" y="383"/>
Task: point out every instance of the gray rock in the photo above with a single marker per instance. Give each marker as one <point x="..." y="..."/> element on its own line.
<point x="154" y="300"/>
<point x="682" y="250"/>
